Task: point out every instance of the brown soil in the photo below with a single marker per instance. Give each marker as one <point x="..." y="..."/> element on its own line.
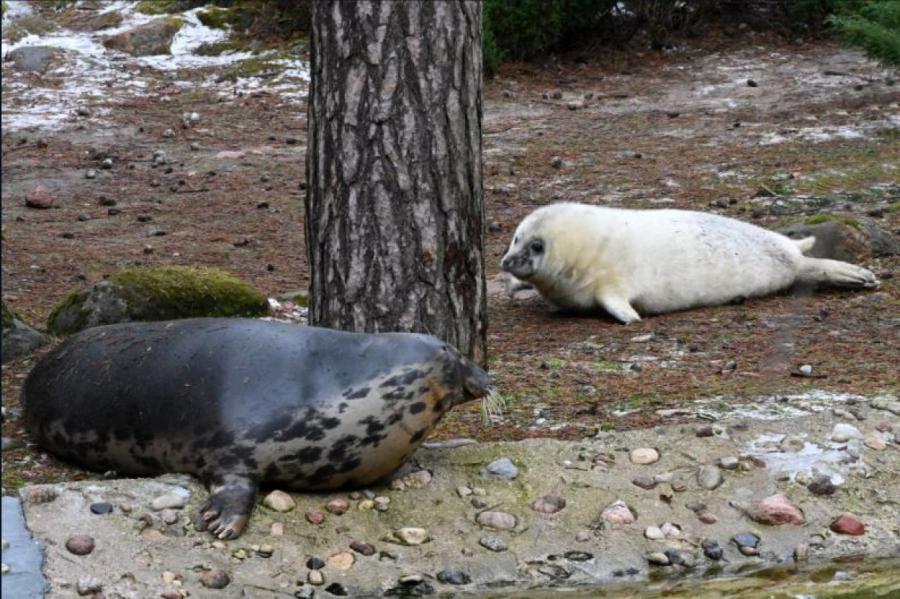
<point x="624" y="145"/>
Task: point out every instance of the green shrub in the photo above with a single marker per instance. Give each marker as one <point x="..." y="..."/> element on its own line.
<point x="872" y="26"/>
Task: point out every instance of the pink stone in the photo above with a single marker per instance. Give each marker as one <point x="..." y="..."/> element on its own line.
<point x="315" y="517"/>
<point x="618" y="513"/>
<point x="39" y="197"/>
<point x="549" y="504"/>
<point x="775" y="510"/>
<point x="337" y="506"/>
<point x="848" y="524"/>
<point x="706" y="517"/>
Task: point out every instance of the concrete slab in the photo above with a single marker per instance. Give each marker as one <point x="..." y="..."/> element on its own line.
<point x="23" y="555"/>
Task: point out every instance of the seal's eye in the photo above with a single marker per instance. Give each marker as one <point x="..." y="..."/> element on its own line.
<point x="537" y="246"/>
<point x="515" y="240"/>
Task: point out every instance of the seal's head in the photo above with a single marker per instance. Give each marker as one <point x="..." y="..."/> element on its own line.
<point x="463" y="374"/>
<point x="528" y="249"/>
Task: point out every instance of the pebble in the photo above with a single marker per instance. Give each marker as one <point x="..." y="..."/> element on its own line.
<point x="644" y="481"/>
<point x="658" y="558"/>
<point x="775" y="510"/>
<point x="39" y="197"/>
<point x="746" y="541"/>
<point x="463" y="491"/>
<point x="644" y="455"/>
<point x="418" y="479"/>
<point x="106" y="164"/>
<point x="556" y="162"/>
<point x="195" y="146"/>
<point x="549" y="504"/>
<point x="365" y="505"/>
<point x="805" y="369"/>
<point x="411" y="535"/>
<point x="478" y="503"/>
<point x="498" y="520"/>
<point x="583" y="536"/>
<point x="821" y="485"/>
<point x="848" y="524"/>
<point x="277" y="529"/>
<point x="678" y="486"/>
<point x="337" y="589"/>
<point x="169" y="577"/>
<point x="315" y="563"/>
<point x="729" y="463"/>
<point x="84" y="217"/>
<point x="88" y="586"/>
<point x="704" y="431"/>
<point x="341" y="561"/>
<point x="801" y="552"/>
<point x="337" y="506"/>
<point x="618" y="513"/>
<point x="315" y="578"/>
<point x="709" y="477"/>
<point x="654" y="533"/>
<point x="90" y="174"/>
<point x="875" y="442"/>
<point x="101" y="508"/>
<point x="843" y="432"/>
<point x="672" y="531"/>
<point x="169" y="516"/>
<point x="712" y="550"/>
<point x="173" y="501"/>
<point x="663" y="477"/>
<point x="168" y="133"/>
<point x="362" y="548"/>
<point x="707" y="517"/>
<point x="381" y="503"/>
<point x="695" y="505"/>
<point x="453" y="577"/>
<point x="492" y="543"/>
<point x="265" y="550"/>
<point x="80" y="544"/>
<point x="500" y="469"/>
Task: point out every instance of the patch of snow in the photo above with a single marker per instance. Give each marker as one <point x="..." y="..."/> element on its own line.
<point x="811" y="459"/>
<point x="16" y="9"/>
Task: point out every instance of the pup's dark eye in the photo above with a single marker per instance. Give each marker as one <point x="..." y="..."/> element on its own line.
<point x="537" y="246"/>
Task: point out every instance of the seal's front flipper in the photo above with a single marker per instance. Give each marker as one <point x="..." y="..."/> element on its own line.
<point x="226" y="512"/>
<point x="835" y="273"/>
<point x="619" y="308"/>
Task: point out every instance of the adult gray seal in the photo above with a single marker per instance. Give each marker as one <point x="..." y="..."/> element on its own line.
<point x="654" y="261"/>
<point x="239" y="402"/>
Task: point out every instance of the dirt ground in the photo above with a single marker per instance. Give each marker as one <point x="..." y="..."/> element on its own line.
<point x="820" y="129"/>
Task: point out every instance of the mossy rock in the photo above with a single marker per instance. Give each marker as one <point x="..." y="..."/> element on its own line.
<point x="844" y="237"/>
<point x="217" y="18"/>
<point x="19" y="339"/>
<point x="156" y="7"/>
<point x="149" y="39"/>
<point x="165" y="293"/>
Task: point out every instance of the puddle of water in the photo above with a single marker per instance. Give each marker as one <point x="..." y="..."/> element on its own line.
<point x="810" y="459"/>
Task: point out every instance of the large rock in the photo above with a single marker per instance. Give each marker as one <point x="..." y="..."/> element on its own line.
<point x="151" y="38"/>
<point x="34" y="58"/>
<point x="850" y="238"/>
<point x="164" y="293"/>
<point x="19" y="339"/>
<point x="94" y="22"/>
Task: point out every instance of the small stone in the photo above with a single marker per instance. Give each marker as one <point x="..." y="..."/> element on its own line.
<point x="453" y="577"/>
<point x="712" y="550"/>
<point x="805" y="369"/>
<point x="39" y="198"/>
<point x="658" y="558"/>
<point x="194" y="146"/>
<point x="173" y="501"/>
<point x="775" y="510"/>
<point x="729" y="463"/>
<point x="315" y="563"/>
<point x="106" y="164"/>
<point x="90" y="174"/>
<point x="362" y="548"/>
<point x="337" y="589"/>
<point x="88" y="586"/>
<point x="746" y="540"/>
<point x="644" y="455"/>
<point x="498" y="520"/>
<point x="105" y="201"/>
<point x="418" y="479"/>
<point x="618" y="513"/>
<point x="101" y="508"/>
<point x="875" y="442"/>
<point x="678" y="486"/>
<point x="168" y="133"/>
<point x="556" y="162"/>
<point x="315" y="578"/>
<point x="492" y="543"/>
<point x="151" y="535"/>
<point x="366" y="505"/>
<point x="84" y="217"/>
<point x="315" y="517"/>
<point x="704" y="431"/>
<point x="583" y="536"/>
<point x="848" y="524"/>
<point x="821" y="484"/>
<point x="114" y="211"/>
<point x="277" y="529"/>
<point x="654" y="533"/>
<point x="709" y="477"/>
<point x="549" y="504"/>
<point x="672" y="531"/>
<point x="463" y="491"/>
<point x="707" y="517"/>
<point x="500" y="469"/>
<point x="663" y="477"/>
<point x="411" y="535"/>
<point x="382" y="503"/>
<point x="801" y="552"/>
<point x="644" y="481"/>
<point x="169" y="516"/>
<point x="752" y="83"/>
<point x="337" y="506"/>
<point x="83" y="111"/>
<point x="479" y="491"/>
<point x="144" y="218"/>
<point x="695" y="505"/>
<point x="169" y="577"/>
<point x="478" y="503"/>
<point x="341" y="561"/>
<point x="80" y="544"/>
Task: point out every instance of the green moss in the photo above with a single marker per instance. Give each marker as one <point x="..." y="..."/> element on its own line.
<point x="251" y="67"/>
<point x="217" y="18"/>
<point x="165" y="293"/>
<point x="156" y="7"/>
<point x="818" y="219"/>
<point x="8" y="316"/>
<point x="4" y="7"/>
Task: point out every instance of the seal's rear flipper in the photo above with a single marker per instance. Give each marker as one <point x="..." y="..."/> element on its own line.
<point x="619" y="308"/>
<point x="226" y="512"/>
<point x="835" y="273"/>
<point x="805" y="244"/>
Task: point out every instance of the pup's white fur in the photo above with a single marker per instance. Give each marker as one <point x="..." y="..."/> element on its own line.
<point x="655" y="261"/>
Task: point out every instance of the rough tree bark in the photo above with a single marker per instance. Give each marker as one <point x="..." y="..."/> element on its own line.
<point x="394" y="207"/>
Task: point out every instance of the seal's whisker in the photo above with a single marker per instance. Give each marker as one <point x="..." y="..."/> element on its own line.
<point x="492" y="406"/>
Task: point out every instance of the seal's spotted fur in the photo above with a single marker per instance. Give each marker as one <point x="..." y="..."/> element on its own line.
<point x="238" y="402"/>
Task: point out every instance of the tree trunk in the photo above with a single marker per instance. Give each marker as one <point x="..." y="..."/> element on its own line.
<point x="394" y="207"/>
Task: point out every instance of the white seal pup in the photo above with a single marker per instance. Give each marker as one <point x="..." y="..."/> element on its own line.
<point x="632" y="262"/>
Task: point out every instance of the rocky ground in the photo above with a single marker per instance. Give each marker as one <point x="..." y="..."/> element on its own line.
<point x="194" y="160"/>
